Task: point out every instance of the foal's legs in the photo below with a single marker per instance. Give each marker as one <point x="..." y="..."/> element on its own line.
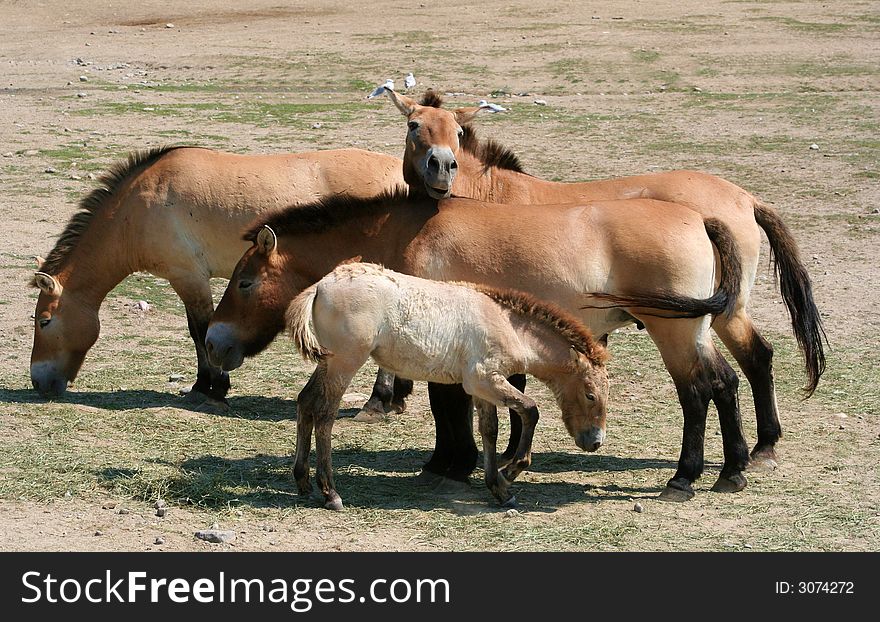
<point x="488" y="424"/>
<point x="380" y="398"/>
<point x="755" y="357"/>
<point x="518" y="381"/>
<point x="700" y="375"/>
<point x="389" y="395"/>
<point x="195" y="293"/>
<point x="497" y="390"/>
<point x="318" y="404"/>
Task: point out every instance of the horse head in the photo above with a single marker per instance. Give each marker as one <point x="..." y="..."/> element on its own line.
<point x="251" y="312"/>
<point x="582" y="394"/>
<point x="433" y="141"/>
<point x="64" y="330"/>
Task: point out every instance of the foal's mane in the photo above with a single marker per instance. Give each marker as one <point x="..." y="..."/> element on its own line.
<point x="326" y="213"/>
<point x="551" y="316"/>
<point x="92" y="203"/>
<point x="489" y="152"/>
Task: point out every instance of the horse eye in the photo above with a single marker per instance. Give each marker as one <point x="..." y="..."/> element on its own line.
<point x="413" y="126"/>
<point x="591" y="397"/>
<point x="460" y="132"/>
<point x="44" y="321"/>
<point x="245" y="284"/>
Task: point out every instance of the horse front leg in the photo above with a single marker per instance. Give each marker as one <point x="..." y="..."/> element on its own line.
<point x="488" y="426"/>
<point x="211" y="383"/>
<point x="455" y="452"/>
<point x="380" y="399"/>
<point x="517" y="381"/>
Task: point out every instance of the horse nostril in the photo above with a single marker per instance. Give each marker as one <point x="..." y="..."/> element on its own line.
<point x="596" y="446"/>
<point x="433" y="162"/>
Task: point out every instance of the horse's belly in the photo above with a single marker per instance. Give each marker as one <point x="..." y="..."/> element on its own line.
<point x="417" y="366"/>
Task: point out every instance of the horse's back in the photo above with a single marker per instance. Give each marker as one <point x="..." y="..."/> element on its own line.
<point x="193" y="204"/>
<point x="560" y="252"/>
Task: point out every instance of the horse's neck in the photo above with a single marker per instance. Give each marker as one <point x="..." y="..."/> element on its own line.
<point x="498" y="185"/>
<point x="101" y="259"/>
<point x="545" y="352"/>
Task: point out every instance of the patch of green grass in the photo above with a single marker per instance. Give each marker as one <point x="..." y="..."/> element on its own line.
<point x="815" y="28"/>
<point x="645" y="56"/>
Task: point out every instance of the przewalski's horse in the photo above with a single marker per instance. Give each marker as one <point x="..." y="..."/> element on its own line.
<point x="556" y="253"/>
<point x="443" y="157"/>
<point x="178" y="213"/>
<point x="442" y="332"/>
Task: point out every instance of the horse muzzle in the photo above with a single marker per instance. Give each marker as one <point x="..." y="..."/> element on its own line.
<point x="48" y="380"/>
<point x="591" y="440"/>
<point x="439" y="169"/>
<point x="223" y="347"/>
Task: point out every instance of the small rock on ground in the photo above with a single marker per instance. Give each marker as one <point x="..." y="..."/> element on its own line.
<point x="217" y="536"/>
<point x="638" y="507"/>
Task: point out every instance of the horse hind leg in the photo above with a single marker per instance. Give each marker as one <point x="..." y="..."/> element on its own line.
<point x="754" y="354"/>
<point x="321" y="402"/>
<point x="725" y="386"/>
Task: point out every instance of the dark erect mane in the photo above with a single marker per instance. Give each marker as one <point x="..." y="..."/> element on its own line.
<point x="431" y="98"/>
<point x="489" y="152"/>
<point x="553" y="317"/>
<point x="326" y="213"/>
<point x="94" y="201"/>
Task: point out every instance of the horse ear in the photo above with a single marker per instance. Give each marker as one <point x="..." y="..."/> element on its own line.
<point x="267" y="241"/>
<point x="575" y="358"/>
<point x="39" y="261"/>
<point x="465" y="115"/>
<point x="47" y="283"/>
<point x="406" y="105"/>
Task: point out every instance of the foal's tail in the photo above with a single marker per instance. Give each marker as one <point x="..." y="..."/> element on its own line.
<point x="797" y="292"/>
<point x="723" y="301"/>
<point x="299" y="323"/>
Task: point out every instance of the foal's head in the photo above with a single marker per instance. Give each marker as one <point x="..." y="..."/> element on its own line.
<point x="64" y="330"/>
<point x="251" y="312"/>
<point x="582" y="394"/>
<point x="432" y="142"/>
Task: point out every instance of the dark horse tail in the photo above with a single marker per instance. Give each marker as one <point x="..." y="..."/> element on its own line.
<point x="797" y="292"/>
<point x="723" y="301"/>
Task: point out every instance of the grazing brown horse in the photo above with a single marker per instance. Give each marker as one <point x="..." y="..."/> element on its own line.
<point x="178" y="213"/>
<point x="444" y="332"/>
<point x="556" y="253"/>
<point x="443" y="157"/>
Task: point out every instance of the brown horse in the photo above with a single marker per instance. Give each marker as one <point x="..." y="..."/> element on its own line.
<point x="624" y="250"/>
<point x="443" y="332"/>
<point x="177" y="213"/>
<point x="443" y="157"/>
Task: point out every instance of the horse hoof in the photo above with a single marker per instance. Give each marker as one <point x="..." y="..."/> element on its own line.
<point x="675" y="495"/>
<point x="192" y="396"/>
<point x="334" y="503"/>
<point x="763" y="460"/>
<point x="448" y="486"/>
<point x="370" y="416"/>
<point x="427" y="478"/>
<point x="213" y="406"/>
<point x="734" y="483"/>
<point x="397" y="408"/>
<point x="510" y="504"/>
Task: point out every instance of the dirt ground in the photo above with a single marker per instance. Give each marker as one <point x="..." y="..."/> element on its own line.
<point x="779" y="97"/>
